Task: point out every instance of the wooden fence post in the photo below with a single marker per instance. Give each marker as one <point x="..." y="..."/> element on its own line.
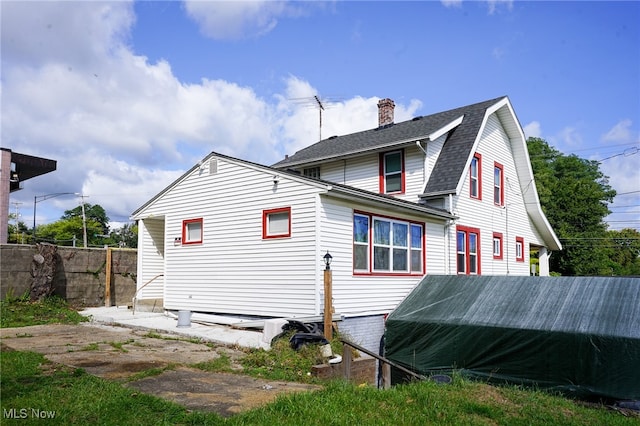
<point x="107" y="286"/>
<point x="347" y="357"/>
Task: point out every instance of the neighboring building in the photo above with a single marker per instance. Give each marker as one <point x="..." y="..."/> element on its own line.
<point x="15" y="168"/>
<point x="449" y="193"/>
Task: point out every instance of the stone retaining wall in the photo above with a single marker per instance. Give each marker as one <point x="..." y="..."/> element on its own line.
<point x="80" y="276"/>
<point x="363" y="370"/>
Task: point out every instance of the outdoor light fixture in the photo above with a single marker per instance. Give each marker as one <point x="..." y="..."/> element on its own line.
<point x="327" y="260"/>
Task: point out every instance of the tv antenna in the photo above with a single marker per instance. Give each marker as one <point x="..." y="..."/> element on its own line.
<point x="316" y="101"/>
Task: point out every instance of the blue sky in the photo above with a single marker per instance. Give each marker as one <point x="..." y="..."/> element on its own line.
<point x="128" y="96"/>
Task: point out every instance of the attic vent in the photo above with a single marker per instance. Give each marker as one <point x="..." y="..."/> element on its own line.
<point x="333" y="137"/>
<point x="417" y="118"/>
<point x="213" y="166"/>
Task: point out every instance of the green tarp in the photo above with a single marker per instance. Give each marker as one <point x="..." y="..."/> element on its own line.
<point x="576" y="335"/>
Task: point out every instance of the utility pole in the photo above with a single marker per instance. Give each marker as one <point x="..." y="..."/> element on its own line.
<point x="84" y="222"/>
<point x="17" y="204"/>
<point x="320" y="109"/>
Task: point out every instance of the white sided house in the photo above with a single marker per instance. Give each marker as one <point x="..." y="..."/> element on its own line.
<point x="450" y="193"/>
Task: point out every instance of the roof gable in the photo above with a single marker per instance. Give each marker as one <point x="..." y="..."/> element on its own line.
<point x="339" y="190"/>
<point x="456" y="152"/>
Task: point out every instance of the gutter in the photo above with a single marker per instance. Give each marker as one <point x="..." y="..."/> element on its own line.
<point x="345" y="193"/>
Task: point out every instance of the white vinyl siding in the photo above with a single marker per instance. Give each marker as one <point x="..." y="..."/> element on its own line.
<point x="511" y="219"/>
<point x="353" y="294"/>
<point x="436" y="243"/>
<point x="364" y="172"/>
<point x="150" y="259"/>
<point x="235" y="270"/>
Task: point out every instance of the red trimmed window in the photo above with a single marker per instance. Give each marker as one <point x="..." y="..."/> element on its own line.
<point x="192" y="231"/>
<point x="475" y="177"/>
<point x="519" y="249"/>
<point x="497" y="245"/>
<point x="498" y="184"/>
<point x="392" y="172"/>
<point x="468" y="250"/>
<point x="383" y="245"/>
<point x="276" y="223"/>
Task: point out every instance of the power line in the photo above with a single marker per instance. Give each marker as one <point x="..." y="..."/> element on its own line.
<point x="627" y="152"/>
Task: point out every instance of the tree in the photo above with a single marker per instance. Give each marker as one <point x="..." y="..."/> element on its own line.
<point x="574" y="195"/>
<point x="70" y="228"/>
<point x="18" y="233"/>
<point x="624" y="252"/>
<point x="65" y="231"/>
<point x="126" y="236"/>
<point x="91" y="212"/>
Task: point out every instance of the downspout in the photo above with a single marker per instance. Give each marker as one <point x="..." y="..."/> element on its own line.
<point x="448" y="237"/>
<point x="318" y="261"/>
<point x="447" y="245"/>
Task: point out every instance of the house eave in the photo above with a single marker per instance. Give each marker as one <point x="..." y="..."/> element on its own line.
<point x="400" y="205"/>
<point x="438" y="194"/>
<point x="352" y="154"/>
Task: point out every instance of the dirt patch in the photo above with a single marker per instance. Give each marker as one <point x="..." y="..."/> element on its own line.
<point x="223" y="393"/>
<point x="118" y="353"/>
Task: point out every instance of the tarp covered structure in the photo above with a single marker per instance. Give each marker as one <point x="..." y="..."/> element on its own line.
<point x="576" y="335"/>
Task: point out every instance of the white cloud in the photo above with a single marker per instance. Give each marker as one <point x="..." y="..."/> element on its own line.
<point x="621" y="165"/>
<point x="451" y="3"/>
<point x="493" y="5"/>
<point x="570" y="138"/>
<point x="122" y="128"/>
<point x="76" y="34"/>
<point x="533" y="130"/>
<point x="236" y="19"/>
<point x="498" y="53"/>
<point x="103" y="109"/>
<point x="621" y="132"/>
<point x="300" y="115"/>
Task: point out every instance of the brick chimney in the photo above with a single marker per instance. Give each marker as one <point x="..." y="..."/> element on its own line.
<point x="385" y="112"/>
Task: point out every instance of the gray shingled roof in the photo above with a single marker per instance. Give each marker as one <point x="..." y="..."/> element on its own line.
<point x="452" y="159"/>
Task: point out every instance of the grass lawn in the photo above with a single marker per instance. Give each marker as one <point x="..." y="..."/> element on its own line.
<point x="34" y="390"/>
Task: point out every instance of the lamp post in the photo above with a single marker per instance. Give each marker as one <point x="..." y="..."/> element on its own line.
<point x="39" y="198"/>
<point x="328" y="308"/>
